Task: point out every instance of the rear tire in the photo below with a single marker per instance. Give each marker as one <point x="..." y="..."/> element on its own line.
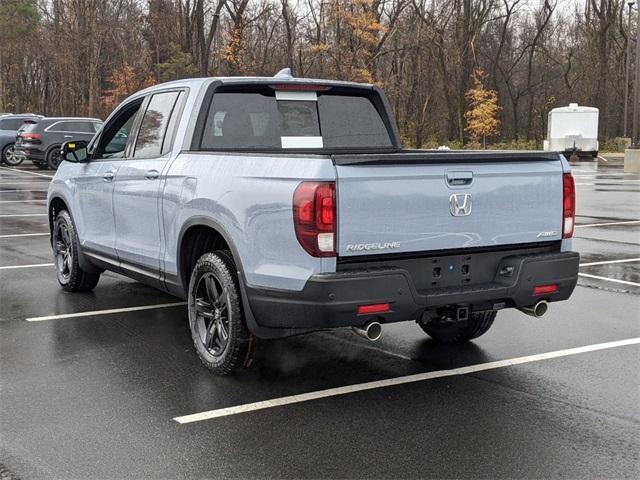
<point x="452" y="332"/>
<point x="9" y="157"/>
<point x="65" y="243"/>
<point x="218" y="328"/>
<point x="54" y="157"/>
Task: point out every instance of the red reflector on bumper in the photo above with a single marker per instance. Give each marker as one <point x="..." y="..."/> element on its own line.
<point x="545" y="289"/>
<point x="375" y="308"/>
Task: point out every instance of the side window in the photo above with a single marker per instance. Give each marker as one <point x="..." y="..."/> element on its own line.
<point x="61" y="127"/>
<point x="74" y="126"/>
<point x="154" y="125"/>
<point x="84" y="127"/>
<point x="115" y="135"/>
<point x="173" y="123"/>
<point x="96" y="126"/>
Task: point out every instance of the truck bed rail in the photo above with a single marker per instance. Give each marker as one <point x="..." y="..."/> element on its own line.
<point x="444" y="156"/>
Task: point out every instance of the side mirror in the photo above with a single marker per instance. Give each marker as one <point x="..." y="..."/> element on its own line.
<point x="75" y="151"/>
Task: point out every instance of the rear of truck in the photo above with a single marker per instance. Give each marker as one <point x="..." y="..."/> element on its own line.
<point x="410" y="234"/>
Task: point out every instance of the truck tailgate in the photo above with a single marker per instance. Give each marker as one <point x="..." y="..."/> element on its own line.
<point x="398" y="206"/>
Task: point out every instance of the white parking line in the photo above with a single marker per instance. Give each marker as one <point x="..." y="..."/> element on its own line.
<point x="33" y="265"/>
<point x="333" y="392"/>
<point x="104" y="312"/>
<point x="25" y="171"/>
<point x="607" y="279"/>
<point x="31" y="182"/>
<point x="13" y="190"/>
<point x="24" y="215"/>
<point x="24" y="235"/>
<point x="629" y="222"/>
<point x="22" y="201"/>
<point x="608" y="262"/>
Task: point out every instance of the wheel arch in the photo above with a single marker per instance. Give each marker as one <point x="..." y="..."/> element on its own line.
<point x="199" y="235"/>
<point x="184" y="273"/>
<point x="56" y="204"/>
<point x="50" y="149"/>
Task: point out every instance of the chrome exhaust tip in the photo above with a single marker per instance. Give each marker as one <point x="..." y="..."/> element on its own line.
<point x="372" y="331"/>
<point x="537" y="310"/>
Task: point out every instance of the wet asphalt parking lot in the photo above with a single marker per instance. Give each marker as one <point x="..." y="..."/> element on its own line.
<point x="93" y="389"/>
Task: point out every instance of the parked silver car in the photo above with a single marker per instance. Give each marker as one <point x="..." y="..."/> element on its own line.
<point x="278" y="206"/>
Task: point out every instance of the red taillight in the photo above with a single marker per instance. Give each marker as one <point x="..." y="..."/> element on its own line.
<point x="373" y="309"/>
<point x="314" y="217"/>
<point x="545" y="289"/>
<point x="300" y="87"/>
<point x="568" y="206"/>
<point x="30" y="136"/>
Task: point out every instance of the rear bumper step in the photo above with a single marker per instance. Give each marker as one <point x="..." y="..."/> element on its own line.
<point x="332" y="300"/>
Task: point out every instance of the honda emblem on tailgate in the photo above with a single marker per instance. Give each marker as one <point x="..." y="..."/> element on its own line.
<point x="460" y="204"/>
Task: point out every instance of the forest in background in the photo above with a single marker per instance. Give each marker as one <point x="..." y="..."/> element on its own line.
<point x="436" y="59"/>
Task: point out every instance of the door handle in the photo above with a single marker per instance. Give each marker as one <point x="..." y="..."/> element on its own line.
<point x="68" y="136"/>
<point x="152" y="174"/>
<point x="108" y="175"/>
<point x="458" y="179"/>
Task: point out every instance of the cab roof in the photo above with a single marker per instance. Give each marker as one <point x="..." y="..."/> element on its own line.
<point x="279" y="78"/>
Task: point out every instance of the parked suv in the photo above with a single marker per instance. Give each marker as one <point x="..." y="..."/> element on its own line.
<point x="41" y="142"/>
<point x="279" y="206"/>
<point x="9" y="126"/>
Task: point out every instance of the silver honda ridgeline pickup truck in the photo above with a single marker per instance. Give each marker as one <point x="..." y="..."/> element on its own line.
<point x="279" y="206"/>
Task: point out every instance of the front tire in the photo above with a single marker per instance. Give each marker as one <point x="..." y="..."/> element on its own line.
<point x="65" y="243"/>
<point x="54" y="157"/>
<point x="9" y="157"/>
<point x="454" y="332"/>
<point x="216" y="320"/>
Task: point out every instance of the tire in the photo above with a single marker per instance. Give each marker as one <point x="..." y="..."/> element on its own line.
<point x="65" y="243"/>
<point x="54" y="157"/>
<point x="217" y="324"/>
<point x="9" y="158"/>
<point x="452" y="332"/>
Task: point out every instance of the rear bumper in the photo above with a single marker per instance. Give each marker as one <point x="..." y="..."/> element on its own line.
<point x="30" y="153"/>
<point x="332" y="300"/>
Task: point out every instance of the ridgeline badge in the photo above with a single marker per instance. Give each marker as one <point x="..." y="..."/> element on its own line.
<point x="358" y="247"/>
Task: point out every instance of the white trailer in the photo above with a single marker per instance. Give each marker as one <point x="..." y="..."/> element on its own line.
<point x="573" y="129"/>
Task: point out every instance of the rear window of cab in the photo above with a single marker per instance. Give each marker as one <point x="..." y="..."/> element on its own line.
<point x="281" y="120"/>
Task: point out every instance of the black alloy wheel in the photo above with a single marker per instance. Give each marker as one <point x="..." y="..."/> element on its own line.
<point x="54" y="158"/>
<point x="63" y="250"/>
<point x="212" y="314"/>
<point x="65" y="244"/>
<point x="218" y="328"/>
